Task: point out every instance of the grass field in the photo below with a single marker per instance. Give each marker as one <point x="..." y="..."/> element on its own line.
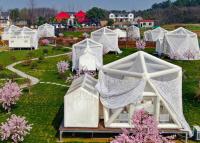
<point x="44" y="107"/>
<point x="73" y="34"/>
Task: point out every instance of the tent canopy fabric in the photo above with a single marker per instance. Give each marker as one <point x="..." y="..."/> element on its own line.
<point x="155" y="34"/>
<point x="62" y="16"/>
<point x="80" y="16"/>
<point x="181" y="44"/>
<point x="8" y="30"/>
<point x="133" y="32"/>
<point x="108" y="38"/>
<point x="46" y="30"/>
<point x="125" y="82"/>
<point x="120" y="33"/>
<point x="87" y="54"/>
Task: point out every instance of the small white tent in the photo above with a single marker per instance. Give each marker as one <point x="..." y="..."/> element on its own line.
<point x="24" y="38"/>
<point x="181" y="44"/>
<point x="120" y="33"/>
<point x="9" y="30"/>
<point x="133" y="32"/>
<point x="155" y="34"/>
<point x="87" y="55"/>
<point x="46" y="30"/>
<point x="142" y="81"/>
<point x="81" y="103"/>
<point x="108" y="38"/>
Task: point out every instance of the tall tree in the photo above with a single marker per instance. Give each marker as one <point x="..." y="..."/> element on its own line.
<point x="14" y="14"/>
<point x="32" y="5"/>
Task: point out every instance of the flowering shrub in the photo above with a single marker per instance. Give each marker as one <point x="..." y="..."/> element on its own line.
<point x="189" y="54"/>
<point x="62" y="66"/>
<point x="140" y="44"/>
<point x="45" y="42"/>
<point x="15" y="129"/>
<point x="145" y="130"/>
<point x="9" y="95"/>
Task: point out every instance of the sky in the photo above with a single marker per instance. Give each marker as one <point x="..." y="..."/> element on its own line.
<point x="74" y="5"/>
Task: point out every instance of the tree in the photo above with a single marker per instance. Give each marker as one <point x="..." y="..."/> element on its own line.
<point x="14" y="14"/>
<point x="110" y="22"/>
<point x="62" y="67"/>
<point x="145" y="131"/>
<point x="32" y="5"/>
<point x="41" y="20"/>
<point x="96" y="14"/>
<point x="15" y="129"/>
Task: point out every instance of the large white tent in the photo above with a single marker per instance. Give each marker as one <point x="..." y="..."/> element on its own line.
<point x="23" y="38"/>
<point x="181" y="44"/>
<point x="142" y="81"/>
<point x="81" y="103"/>
<point x="120" y="33"/>
<point x="46" y="30"/>
<point x="155" y="34"/>
<point x="9" y="30"/>
<point x="108" y="38"/>
<point x="133" y="32"/>
<point x="87" y="55"/>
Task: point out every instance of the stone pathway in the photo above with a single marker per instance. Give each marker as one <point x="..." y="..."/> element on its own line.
<point x="33" y="80"/>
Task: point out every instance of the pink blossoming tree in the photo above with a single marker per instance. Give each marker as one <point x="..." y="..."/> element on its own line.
<point x="189" y="54"/>
<point x="145" y="130"/>
<point x="15" y="129"/>
<point x="140" y="44"/>
<point x="62" y="67"/>
<point x="174" y="55"/>
<point x="9" y="95"/>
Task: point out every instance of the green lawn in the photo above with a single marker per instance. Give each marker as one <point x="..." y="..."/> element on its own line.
<point x="44" y="107"/>
<point x="73" y="34"/>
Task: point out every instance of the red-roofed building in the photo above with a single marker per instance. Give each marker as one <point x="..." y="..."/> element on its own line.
<point x="80" y="16"/>
<point x="146" y="23"/>
<point x="62" y="16"/>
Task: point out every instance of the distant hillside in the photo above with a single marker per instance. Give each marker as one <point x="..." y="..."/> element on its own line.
<point x="179" y="11"/>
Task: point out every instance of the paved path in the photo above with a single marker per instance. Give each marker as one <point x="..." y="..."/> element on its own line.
<point x="33" y="80"/>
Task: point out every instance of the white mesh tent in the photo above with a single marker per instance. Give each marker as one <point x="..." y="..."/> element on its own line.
<point x="9" y="30"/>
<point x="133" y="32"/>
<point x="81" y="103"/>
<point x="181" y="44"/>
<point x="120" y="33"/>
<point x="142" y="81"/>
<point x="46" y="30"/>
<point x="155" y="34"/>
<point x="108" y="38"/>
<point x="87" y="55"/>
<point x="24" y="38"/>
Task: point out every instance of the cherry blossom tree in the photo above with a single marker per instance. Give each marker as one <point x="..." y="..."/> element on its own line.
<point x="140" y="44"/>
<point x="174" y="55"/>
<point x="62" y="67"/>
<point x="15" y="129"/>
<point x="9" y="95"/>
<point x="145" y="131"/>
<point x="189" y="54"/>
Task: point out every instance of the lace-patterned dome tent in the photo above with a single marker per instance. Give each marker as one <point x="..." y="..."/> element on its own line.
<point x="9" y="30"/>
<point x="142" y="81"/>
<point x="108" y="38"/>
<point x="46" y="30"/>
<point x="81" y="103"/>
<point x="24" y="38"/>
<point x="120" y="33"/>
<point x="181" y="44"/>
<point x="155" y="34"/>
<point x="87" y="55"/>
<point x="133" y="32"/>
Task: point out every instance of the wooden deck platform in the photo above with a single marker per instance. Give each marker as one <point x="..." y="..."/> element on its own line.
<point x="103" y="130"/>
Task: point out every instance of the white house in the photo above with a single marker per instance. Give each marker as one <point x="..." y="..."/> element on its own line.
<point x="122" y="16"/>
<point x="142" y="81"/>
<point x="4" y="19"/>
<point x="87" y="55"/>
<point x="81" y="103"/>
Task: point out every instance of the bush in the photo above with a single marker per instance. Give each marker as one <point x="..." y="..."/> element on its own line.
<point x="40" y="59"/>
<point x="30" y="55"/>
<point x="34" y="65"/>
<point x="13" y="58"/>
<point x="45" y="51"/>
<point x="1" y="67"/>
<point x="57" y="48"/>
<point x="27" y="63"/>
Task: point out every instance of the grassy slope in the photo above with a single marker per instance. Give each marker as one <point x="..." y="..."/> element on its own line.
<point x="44" y="108"/>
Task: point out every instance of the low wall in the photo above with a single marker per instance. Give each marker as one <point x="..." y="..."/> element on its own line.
<point x="132" y="44"/>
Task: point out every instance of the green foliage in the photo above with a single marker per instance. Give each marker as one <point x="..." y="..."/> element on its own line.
<point x="1" y="67"/>
<point x="14" y="14"/>
<point x="45" y="51"/>
<point x="33" y="65"/>
<point x="96" y="14"/>
<point x="41" y="20"/>
<point x="110" y="22"/>
<point x="41" y="59"/>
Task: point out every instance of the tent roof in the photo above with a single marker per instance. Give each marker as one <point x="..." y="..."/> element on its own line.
<point x="87" y="42"/>
<point x="62" y="16"/>
<point x="104" y="30"/>
<point x="86" y="82"/>
<point x="181" y="31"/>
<point x="159" y="29"/>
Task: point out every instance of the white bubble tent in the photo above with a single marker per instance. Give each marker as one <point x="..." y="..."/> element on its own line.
<point x="155" y="34"/>
<point x="9" y="30"/>
<point x="120" y="33"/>
<point x="46" y="30"/>
<point x="133" y="32"/>
<point x="180" y="44"/>
<point x="87" y="55"/>
<point x="108" y="38"/>
<point x="142" y="81"/>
